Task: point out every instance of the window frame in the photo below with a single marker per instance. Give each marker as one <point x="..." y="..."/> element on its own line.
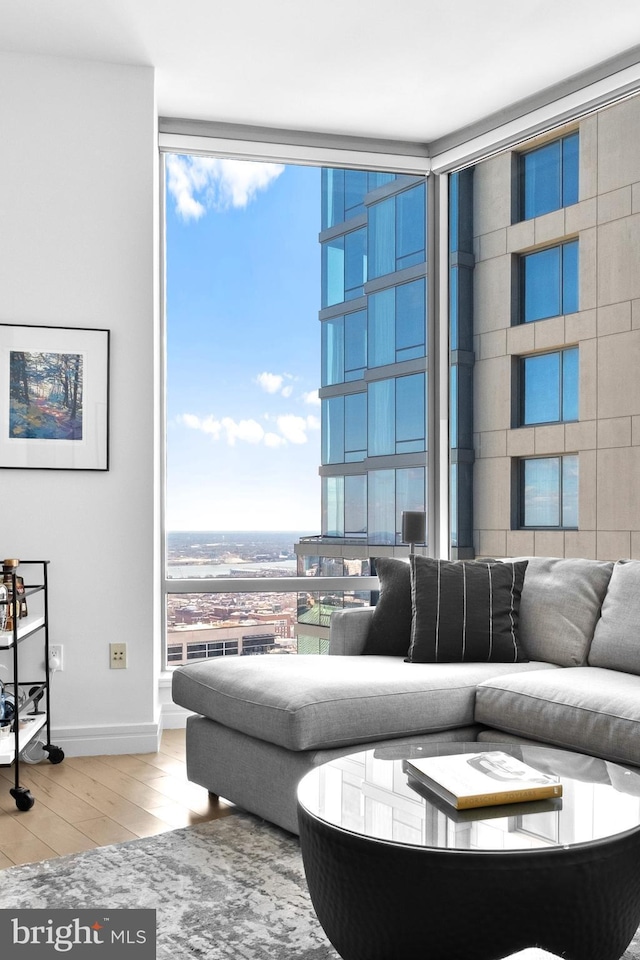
<point x="349" y="153"/>
<point x="379" y="353"/>
<point x="520" y="482"/>
<point x="390" y="404"/>
<point x="373" y="255"/>
<point x="572" y="242"/>
<point x="351" y="249"/>
<point x="341" y="329"/>
<point x="561" y="142"/>
<point x="522" y="387"/>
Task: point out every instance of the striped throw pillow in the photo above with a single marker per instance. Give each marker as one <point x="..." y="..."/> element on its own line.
<point x="465" y="610"/>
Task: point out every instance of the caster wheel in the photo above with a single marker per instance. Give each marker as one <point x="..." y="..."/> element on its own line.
<point x="24" y="800"/>
<point x="56" y="754"/>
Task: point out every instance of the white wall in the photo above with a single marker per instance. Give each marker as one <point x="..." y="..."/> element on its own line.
<point x="78" y="247"/>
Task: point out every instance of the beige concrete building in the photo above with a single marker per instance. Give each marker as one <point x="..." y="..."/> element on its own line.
<point x="556" y="389"/>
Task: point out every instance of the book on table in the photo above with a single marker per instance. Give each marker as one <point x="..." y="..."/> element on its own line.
<point x="474" y="814"/>
<point x="483" y="779"/>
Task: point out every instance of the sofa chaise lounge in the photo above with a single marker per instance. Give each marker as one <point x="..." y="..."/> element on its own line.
<point x="260" y="723"/>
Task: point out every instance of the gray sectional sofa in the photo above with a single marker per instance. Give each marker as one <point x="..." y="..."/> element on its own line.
<point x="260" y="723"/>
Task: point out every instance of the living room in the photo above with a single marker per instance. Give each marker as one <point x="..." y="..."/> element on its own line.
<point x="83" y="88"/>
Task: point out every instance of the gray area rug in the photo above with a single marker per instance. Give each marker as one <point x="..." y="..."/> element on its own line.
<point x="232" y="888"/>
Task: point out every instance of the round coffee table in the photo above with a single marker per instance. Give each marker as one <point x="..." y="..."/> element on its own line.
<point x="393" y="871"/>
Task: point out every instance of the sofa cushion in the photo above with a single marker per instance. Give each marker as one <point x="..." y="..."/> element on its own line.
<point x="390" y="629"/>
<point x="560" y="606"/>
<point x="616" y="641"/>
<point x="587" y="709"/>
<point x="304" y="702"/>
<point x="465" y="611"/>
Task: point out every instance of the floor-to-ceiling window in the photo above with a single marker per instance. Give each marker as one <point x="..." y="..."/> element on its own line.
<point x="287" y="436"/>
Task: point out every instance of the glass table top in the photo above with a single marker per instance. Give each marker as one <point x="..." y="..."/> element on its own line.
<point x="369" y="793"/>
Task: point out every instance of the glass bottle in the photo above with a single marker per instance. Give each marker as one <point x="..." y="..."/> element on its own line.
<point x="4" y="606"/>
<point x="8" y="570"/>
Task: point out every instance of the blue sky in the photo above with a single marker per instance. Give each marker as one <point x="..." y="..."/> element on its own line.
<point x="243" y="345"/>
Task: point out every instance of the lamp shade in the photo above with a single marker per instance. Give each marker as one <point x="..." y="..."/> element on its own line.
<point x="414" y="526"/>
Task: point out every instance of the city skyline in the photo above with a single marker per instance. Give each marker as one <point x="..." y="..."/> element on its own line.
<point x="243" y="346"/>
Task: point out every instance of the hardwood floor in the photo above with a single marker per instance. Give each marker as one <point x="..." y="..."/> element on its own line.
<point x="88" y="802"/>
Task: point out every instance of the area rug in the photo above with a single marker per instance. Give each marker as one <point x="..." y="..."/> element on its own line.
<point x="232" y="888"/>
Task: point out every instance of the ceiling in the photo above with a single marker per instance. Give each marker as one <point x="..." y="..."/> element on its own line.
<point x="412" y="70"/>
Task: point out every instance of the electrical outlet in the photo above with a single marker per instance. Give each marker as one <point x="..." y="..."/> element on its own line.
<point x="56" y="661"/>
<point x="118" y="656"/>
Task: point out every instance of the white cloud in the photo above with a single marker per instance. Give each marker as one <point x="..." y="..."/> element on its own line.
<point x="248" y="430"/>
<point x="291" y="429"/>
<point x="270" y="382"/>
<point x="189" y="420"/>
<point x="275" y="383"/>
<point x="180" y="181"/>
<point x="273" y="440"/>
<point x="311" y="398"/>
<point x="219" y="184"/>
<point x="295" y="428"/>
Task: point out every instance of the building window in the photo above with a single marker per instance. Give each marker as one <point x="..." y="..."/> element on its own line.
<point x="355" y="345"/>
<point x="397" y="232"/>
<point x="396" y="322"/>
<point x="390" y="493"/>
<point x="549" y="492"/>
<point x="343" y="192"/>
<point x="397" y="420"/>
<point x="355" y="427"/>
<point x="355" y="506"/>
<point x="344" y="428"/>
<point x="549" y="280"/>
<point x="344" y="267"/>
<point x="200" y="651"/>
<point x="370" y="506"/>
<point x="344" y="348"/>
<point x="549" y="177"/>
<point x="549" y="387"/>
<point x="333" y="430"/>
<point x="333" y="506"/>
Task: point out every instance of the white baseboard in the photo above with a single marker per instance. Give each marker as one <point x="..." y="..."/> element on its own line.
<point x="107" y="740"/>
<point x="173" y="716"/>
<point x="119" y="738"/>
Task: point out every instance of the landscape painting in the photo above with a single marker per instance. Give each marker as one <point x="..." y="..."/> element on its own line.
<point x="54" y="397"/>
<point x="45" y="395"/>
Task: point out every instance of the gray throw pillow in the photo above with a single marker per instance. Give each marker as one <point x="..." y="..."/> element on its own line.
<point x="390" y="631"/>
<point x="465" y="611"/>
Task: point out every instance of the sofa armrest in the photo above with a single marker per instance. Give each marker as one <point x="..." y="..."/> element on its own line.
<point x="348" y="631"/>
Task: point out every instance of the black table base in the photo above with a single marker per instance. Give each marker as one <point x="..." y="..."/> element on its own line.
<point x="379" y="900"/>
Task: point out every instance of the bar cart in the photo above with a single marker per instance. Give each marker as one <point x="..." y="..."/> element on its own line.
<point x="24" y="614"/>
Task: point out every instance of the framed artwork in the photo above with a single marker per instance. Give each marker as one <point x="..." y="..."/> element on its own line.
<point x="54" y="397"/>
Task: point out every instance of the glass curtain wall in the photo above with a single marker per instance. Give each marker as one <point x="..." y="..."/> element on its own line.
<point x="374" y="355"/>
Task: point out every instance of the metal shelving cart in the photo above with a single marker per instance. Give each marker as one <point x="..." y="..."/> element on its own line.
<point x="21" y="620"/>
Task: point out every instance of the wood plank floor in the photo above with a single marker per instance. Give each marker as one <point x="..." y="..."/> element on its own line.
<point x="88" y="802"/>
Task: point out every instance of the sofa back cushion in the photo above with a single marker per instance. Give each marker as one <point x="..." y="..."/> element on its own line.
<point x="616" y="641"/>
<point x="560" y="607"/>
